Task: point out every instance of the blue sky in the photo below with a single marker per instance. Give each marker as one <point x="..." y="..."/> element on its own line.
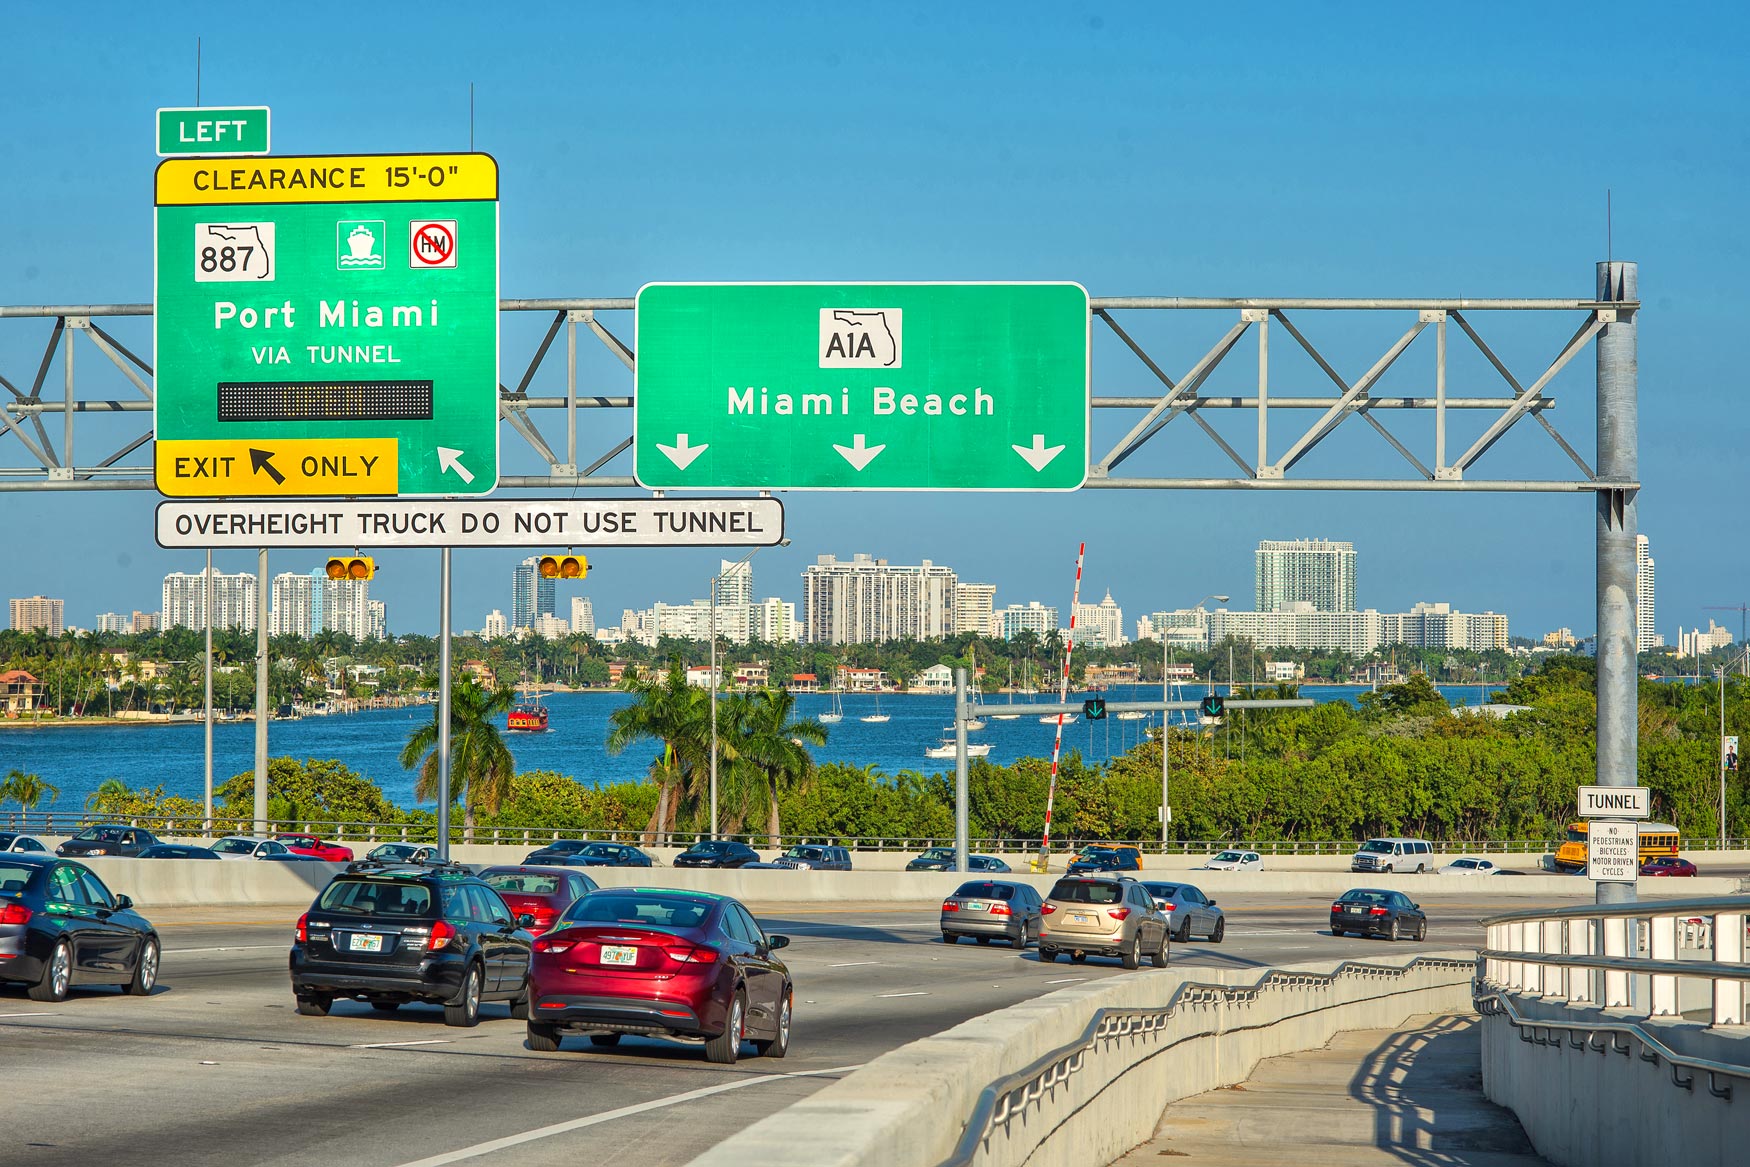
<point x="1316" y="150"/>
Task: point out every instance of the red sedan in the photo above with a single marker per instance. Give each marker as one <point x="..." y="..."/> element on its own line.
<point x="1667" y="865"/>
<point x="541" y="892"/>
<point x="660" y="963"/>
<point x="315" y="848"/>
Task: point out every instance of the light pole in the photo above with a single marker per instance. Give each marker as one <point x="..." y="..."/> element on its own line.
<point x="1166" y="800"/>
<point x="714" y="580"/>
<point x="1725" y="667"/>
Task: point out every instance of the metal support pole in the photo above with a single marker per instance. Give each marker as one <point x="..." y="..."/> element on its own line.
<point x="714" y="580"/>
<point x="1722" y="757"/>
<point x="443" y="746"/>
<point x="261" y="694"/>
<point x="1618" y="429"/>
<point x="961" y="713"/>
<point x="207" y="825"/>
<point x="1166" y="795"/>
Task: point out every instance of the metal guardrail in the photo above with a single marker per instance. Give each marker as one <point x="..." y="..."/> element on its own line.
<point x="1009" y="1098"/>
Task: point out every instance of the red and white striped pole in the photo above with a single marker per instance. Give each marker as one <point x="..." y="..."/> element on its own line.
<point x="1062" y="696"/>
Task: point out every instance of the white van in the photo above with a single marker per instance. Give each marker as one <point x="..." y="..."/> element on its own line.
<point x="1391" y="855"/>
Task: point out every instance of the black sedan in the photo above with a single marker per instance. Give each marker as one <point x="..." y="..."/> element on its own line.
<point x="942" y="859"/>
<point x="588" y="855"/>
<point x="1372" y="912"/>
<point x="717" y="853"/>
<point x="108" y="839"/>
<point x="177" y="851"/>
<point x="60" y="927"/>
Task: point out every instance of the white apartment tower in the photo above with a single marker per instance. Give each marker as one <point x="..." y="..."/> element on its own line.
<point x="185" y="600"/>
<point x="975" y="608"/>
<point x="1039" y="619"/>
<point x="1645" y="636"/>
<point x="1315" y="571"/>
<point x="1100" y="625"/>
<point x="582" y="615"/>
<point x="868" y="600"/>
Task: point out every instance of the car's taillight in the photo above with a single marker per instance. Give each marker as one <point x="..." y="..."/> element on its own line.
<point x="303" y="927"/>
<point x="14" y="914"/>
<point x="950" y="906"/>
<point x="1047" y="910"/>
<point x="1165" y="907"/>
<point x="442" y="933"/>
<point x="1118" y="913"/>
<point x="553" y="944"/>
<point x="1337" y="907"/>
<point x="1000" y="910"/>
<point x="691" y="954"/>
<point x="1376" y="911"/>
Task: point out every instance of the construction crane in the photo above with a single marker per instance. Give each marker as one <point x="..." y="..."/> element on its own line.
<point x="1741" y="609"/>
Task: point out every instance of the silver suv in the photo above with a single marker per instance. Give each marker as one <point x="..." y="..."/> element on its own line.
<point x="1091" y="915"/>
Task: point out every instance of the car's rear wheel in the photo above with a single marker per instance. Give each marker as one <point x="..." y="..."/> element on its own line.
<point x="1184" y="936"/>
<point x="519" y="1008"/>
<point x="145" y="970"/>
<point x="465" y="1013"/>
<point x="1048" y="955"/>
<point x="314" y="1004"/>
<point x="57" y="975"/>
<point x="604" y="1040"/>
<point x="1421" y="931"/>
<point x="1336" y="931"/>
<point x="1220" y="931"/>
<point x="726" y="1046"/>
<point x="950" y="938"/>
<point x="1420" y="868"/>
<point x="1392" y="933"/>
<point x="1160" y="953"/>
<point x="1132" y="956"/>
<point x="778" y="1046"/>
<point x="543" y="1039"/>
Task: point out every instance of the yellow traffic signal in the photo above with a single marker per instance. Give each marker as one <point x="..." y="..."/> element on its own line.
<point x="351" y="567"/>
<point x="563" y="567"/>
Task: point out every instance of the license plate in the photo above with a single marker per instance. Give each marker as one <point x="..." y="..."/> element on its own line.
<point x="975" y="905"/>
<point x="1078" y="919"/>
<point x="1354" y="911"/>
<point x="366" y="943"/>
<point x="616" y="955"/>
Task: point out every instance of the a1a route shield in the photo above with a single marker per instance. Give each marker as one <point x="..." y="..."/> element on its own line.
<point x="862" y="386"/>
<point x="327" y="326"/>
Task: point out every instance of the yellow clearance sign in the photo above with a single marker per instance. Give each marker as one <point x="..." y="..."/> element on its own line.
<point x="290" y="466"/>
<point x="332" y="178"/>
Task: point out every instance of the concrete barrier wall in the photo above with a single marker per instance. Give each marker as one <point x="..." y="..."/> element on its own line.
<point x="911" y="1107"/>
<point x="1583" y="1108"/>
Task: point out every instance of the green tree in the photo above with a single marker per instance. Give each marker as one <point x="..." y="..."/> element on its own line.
<point x="673" y="713"/>
<point x="109" y="792"/>
<point x="770" y="749"/>
<point x="27" y="790"/>
<point x="481" y="766"/>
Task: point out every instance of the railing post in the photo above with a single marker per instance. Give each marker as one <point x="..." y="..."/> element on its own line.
<point x="1662" y="943"/>
<point x="1555" y="977"/>
<point x="1516" y="944"/>
<point x="1729" y="996"/>
<point x="1533" y="943"/>
<point x="1616" y="944"/>
<point x="1581" y="943"/>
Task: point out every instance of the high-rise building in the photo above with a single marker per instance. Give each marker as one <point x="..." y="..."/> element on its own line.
<point x="531" y="594"/>
<point x="975" y="608"/>
<point x="377" y="614"/>
<point x="1699" y="643"/>
<point x="582" y="615"/>
<point x="1315" y="571"/>
<point x="112" y="622"/>
<point x="773" y="621"/>
<point x="734" y="583"/>
<point x="1645" y="636"/>
<point x="495" y="625"/>
<point x="550" y="627"/>
<point x="146" y="621"/>
<point x="1100" y="625"/>
<point x="35" y="613"/>
<point x="1039" y="619"/>
<point x="185" y="600"/>
<point x="296" y="604"/>
<point x="868" y="600"/>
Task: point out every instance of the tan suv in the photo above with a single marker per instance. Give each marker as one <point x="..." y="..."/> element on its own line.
<point x="1102" y="916"/>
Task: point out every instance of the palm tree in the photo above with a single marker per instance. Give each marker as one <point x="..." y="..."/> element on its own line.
<point x="108" y="791"/>
<point x="672" y="712"/>
<point x="773" y="749"/>
<point x="27" y="790"/>
<point x="481" y="765"/>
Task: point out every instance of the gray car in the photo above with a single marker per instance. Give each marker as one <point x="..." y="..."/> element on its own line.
<point x="992" y="909"/>
<point x="1190" y="912"/>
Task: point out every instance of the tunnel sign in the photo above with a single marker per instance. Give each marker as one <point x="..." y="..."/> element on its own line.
<point x="327" y="326"/>
<point x="861" y="386"/>
<point x="1615" y="802"/>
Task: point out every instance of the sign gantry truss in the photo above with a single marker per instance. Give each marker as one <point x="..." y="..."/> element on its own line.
<point x="544" y="413"/>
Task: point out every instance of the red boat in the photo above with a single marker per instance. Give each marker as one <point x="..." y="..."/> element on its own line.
<point x="527" y="717"/>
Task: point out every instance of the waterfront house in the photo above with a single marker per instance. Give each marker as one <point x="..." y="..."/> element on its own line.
<point x="20" y="692"/>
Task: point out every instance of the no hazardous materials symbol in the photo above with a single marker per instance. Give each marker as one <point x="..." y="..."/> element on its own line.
<point x="431" y="243"/>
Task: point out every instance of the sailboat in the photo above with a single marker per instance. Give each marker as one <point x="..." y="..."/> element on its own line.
<point x="877" y="717"/>
<point x="528" y="715"/>
<point x="946" y="749"/>
<point x="1011" y="715"/>
<point x="838" y="711"/>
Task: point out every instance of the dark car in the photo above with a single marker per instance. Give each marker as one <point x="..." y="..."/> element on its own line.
<point x="1189" y="911"/>
<point x="108" y="839"/>
<point x="992" y="909"/>
<point x="177" y="851"/>
<point x="1098" y="859"/>
<point x="401" y="853"/>
<point x="552" y="852"/>
<point x="60" y="927"/>
<point x="814" y="857"/>
<point x="942" y="859"/>
<point x="591" y="855"/>
<point x="661" y="963"/>
<point x="541" y="892"/>
<point x="717" y="853"/>
<point x="1373" y="912"/>
<point x="1668" y="865"/>
<point x="433" y="932"/>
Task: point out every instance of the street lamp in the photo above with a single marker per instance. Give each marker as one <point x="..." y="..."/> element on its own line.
<point x="1166" y="801"/>
<point x="714" y="580"/>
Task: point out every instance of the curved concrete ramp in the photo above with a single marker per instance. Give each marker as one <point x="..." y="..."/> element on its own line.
<point x="1409" y="1097"/>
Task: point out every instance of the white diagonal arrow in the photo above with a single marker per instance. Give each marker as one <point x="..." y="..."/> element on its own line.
<point x="680" y="453"/>
<point x="857" y="454"/>
<point x="1038" y="455"/>
<point x="449" y="459"/>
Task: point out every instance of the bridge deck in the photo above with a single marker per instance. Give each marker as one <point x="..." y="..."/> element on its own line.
<point x="1378" y="1096"/>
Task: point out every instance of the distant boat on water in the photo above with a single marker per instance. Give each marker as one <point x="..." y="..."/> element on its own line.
<point x="877" y="717"/>
<point x="528" y="715"/>
<point x="946" y="749"/>
<point x="838" y="711"/>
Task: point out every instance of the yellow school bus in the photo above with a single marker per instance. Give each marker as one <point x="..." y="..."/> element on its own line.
<point x="1655" y="839"/>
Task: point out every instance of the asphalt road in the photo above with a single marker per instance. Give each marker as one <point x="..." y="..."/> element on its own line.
<point x="217" y="1068"/>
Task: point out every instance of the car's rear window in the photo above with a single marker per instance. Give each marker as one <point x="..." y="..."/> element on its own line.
<point x="13" y="876"/>
<point x="1366" y="897"/>
<point x="1079" y="891"/>
<point x="523" y="883"/>
<point x="668" y="913"/>
<point x="376" y="897"/>
<point x="1165" y="891"/>
<point x="985" y="891"/>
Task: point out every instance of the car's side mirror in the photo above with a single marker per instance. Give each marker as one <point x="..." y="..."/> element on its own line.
<point x="123" y="903"/>
<point x="773" y="943"/>
<point x="1211" y="903"/>
<point x="524" y="920"/>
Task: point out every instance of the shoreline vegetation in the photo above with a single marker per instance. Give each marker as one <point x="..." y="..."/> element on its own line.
<point x="1400" y="762"/>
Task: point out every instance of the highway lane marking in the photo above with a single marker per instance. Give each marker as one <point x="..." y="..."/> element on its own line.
<point x="853" y="964"/>
<point x="224" y="948"/>
<point x="29" y="1014"/>
<point x="912" y="994"/>
<point x="559" y="1128"/>
<point x="393" y="1044"/>
<point x="1066" y="981"/>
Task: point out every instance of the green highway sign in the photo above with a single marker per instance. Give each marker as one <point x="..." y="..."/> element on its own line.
<point x="861" y="387"/>
<point x="327" y="326"/>
<point x="214" y="131"/>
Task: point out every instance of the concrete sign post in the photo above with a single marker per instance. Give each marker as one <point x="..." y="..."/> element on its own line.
<point x="1613" y="851"/>
<point x="861" y="386"/>
<point x="327" y="326"/>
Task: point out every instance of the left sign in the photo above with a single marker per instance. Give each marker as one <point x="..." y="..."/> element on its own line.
<point x="214" y="131"/>
<point x="327" y="326"/>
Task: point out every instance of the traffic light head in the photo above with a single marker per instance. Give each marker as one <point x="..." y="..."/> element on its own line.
<point x="353" y="567"/>
<point x="563" y="567"/>
<point x="1211" y="706"/>
<point x="1094" y="709"/>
